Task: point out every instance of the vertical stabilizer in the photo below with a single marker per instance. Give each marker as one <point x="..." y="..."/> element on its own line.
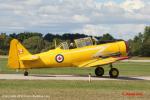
<point x="15" y="52"/>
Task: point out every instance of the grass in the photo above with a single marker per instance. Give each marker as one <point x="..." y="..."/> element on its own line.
<point x="125" y="68"/>
<point x="140" y="58"/>
<point x="76" y="90"/>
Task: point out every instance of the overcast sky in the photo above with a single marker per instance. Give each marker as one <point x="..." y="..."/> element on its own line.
<point x="122" y="18"/>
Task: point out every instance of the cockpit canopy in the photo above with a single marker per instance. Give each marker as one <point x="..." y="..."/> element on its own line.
<point x="64" y="45"/>
<point x="82" y="42"/>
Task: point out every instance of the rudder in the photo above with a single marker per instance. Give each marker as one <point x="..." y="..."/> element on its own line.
<point x="15" y="52"/>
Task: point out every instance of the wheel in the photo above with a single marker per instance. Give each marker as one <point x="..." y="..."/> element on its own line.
<point x="114" y="73"/>
<point x="99" y="71"/>
<point x="26" y="73"/>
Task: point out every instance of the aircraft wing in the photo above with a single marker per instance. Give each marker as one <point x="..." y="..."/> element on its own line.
<point x="29" y="58"/>
<point x="101" y="61"/>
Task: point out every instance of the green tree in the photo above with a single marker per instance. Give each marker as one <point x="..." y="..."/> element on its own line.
<point x="4" y="43"/>
<point x="49" y="37"/>
<point x="146" y="33"/>
<point x="107" y="37"/>
<point x="137" y="45"/>
<point x="35" y="44"/>
<point x="26" y="35"/>
<point x="146" y="42"/>
<point x="140" y="45"/>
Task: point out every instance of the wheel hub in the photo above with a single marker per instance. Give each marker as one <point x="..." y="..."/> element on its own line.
<point x="114" y="73"/>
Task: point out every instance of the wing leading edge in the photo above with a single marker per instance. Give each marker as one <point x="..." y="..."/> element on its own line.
<point x="96" y="62"/>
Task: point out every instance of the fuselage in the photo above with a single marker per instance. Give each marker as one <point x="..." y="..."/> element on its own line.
<point x="71" y="57"/>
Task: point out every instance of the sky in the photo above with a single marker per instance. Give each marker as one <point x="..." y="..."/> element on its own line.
<point x="121" y="18"/>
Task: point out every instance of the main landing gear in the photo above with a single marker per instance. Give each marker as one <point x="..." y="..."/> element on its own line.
<point x="99" y="71"/>
<point x="26" y="73"/>
<point x="113" y="72"/>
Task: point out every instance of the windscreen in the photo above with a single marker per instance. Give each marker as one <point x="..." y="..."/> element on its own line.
<point x="83" y="42"/>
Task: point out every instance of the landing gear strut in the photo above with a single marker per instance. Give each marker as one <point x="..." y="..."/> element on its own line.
<point x="99" y="71"/>
<point x="114" y="72"/>
<point x="26" y="73"/>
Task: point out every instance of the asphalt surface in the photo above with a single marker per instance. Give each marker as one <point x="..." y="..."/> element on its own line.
<point x="66" y="77"/>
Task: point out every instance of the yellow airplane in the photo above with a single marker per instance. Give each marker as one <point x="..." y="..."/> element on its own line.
<point x="84" y="54"/>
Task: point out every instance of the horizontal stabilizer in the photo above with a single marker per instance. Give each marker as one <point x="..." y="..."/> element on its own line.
<point x="29" y="58"/>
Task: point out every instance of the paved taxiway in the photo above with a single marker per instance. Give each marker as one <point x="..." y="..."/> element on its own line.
<point x="66" y="77"/>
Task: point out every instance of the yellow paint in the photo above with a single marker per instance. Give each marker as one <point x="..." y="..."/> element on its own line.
<point x="89" y="56"/>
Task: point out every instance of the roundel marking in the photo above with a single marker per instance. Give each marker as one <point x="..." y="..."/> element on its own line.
<point x="59" y="58"/>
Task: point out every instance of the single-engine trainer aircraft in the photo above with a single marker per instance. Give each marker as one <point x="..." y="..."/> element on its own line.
<point x="84" y="54"/>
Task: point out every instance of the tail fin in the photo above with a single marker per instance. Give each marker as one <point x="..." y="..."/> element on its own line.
<point x="15" y="52"/>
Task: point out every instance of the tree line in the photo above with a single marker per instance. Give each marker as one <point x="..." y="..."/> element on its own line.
<point x="37" y="42"/>
<point x="140" y="45"/>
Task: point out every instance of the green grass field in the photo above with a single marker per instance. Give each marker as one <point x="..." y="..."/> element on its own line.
<point x="77" y="90"/>
<point x="140" y="58"/>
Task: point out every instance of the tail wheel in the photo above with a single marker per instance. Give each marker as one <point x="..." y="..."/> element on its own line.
<point x="114" y="73"/>
<point x="99" y="71"/>
<point x="26" y="73"/>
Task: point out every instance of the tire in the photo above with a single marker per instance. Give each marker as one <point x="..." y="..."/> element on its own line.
<point x="114" y="73"/>
<point x="99" y="71"/>
<point x="26" y="73"/>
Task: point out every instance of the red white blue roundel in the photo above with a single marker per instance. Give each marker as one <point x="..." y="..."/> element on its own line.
<point x="59" y="58"/>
